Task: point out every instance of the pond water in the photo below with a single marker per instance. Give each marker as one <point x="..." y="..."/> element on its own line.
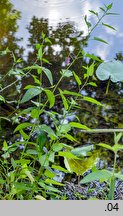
<point x="61" y="11"/>
<point x="63" y="22"/>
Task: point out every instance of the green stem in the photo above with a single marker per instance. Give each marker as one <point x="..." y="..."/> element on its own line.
<point x="112" y="181"/>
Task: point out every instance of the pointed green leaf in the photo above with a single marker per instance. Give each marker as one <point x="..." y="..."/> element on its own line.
<point x="48" y="74"/>
<point x="78" y="125"/>
<point x="2" y="98"/>
<point x="109" y="26"/>
<point x="92" y="100"/>
<point x="68" y="155"/>
<point x="93" y="57"/>
<point x="100" y="40"/>
<point x="117" y="147"/>
<point x="72" y="93"/>
<point x="23" y="126"/>
<point x="106" y="146"/>
<point x="51" y="97"/>
<point x="47" y="129"/>
<point x="51" y="181"/>
<point x="64" y="100"/>
<point x="77" y="79"/>
<point x="60" y="168"/>
<point x="30" y="93"/>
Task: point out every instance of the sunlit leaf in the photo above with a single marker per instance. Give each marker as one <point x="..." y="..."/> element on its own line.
<point x="72" y="93"/>
<point x="39" y="197"/>
<point x="51" y="181"/>
<point x="78" y="125"/>
<point x="49" y="173"/>
<point x="80" y="166"/>
<point x="63" y="129"/>
<point x="117" y="147"/>
<point x="60" y="168"/>
<point x="67" y="155"/>
<point x="2" y="98"/>
<point x="79" y="82"/>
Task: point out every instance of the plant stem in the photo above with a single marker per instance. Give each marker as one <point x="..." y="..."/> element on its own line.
<point x="112" y="181"/>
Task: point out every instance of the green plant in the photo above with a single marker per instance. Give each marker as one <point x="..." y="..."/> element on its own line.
<point x="105" y="175"/>
<point x="29" y="164"/>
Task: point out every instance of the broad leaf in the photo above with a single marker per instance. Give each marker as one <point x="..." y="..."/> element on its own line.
<point x="102" y="175"/>
<point x="68" y="155"/>
<point x="82" y="151"/>
<point x="117" y="147"/>
<point x="80" y="166"/>
<point x="30" y="93"/>
<point x="66" y="73"/>
<point x="47" y="129"/>
<point x="112" y="70"/>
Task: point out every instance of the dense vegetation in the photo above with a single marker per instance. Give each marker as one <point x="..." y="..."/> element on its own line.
<point x="47" y="120"/>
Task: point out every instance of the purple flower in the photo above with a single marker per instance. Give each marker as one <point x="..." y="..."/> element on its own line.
<point x="67" y="61"/>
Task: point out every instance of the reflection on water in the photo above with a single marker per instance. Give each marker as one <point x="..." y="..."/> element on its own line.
<point x="60" y="11"/>
<point x="61" y="21"/>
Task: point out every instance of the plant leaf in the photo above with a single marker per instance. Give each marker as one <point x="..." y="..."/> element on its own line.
<point x="105" y="146"/>
<point x="51" y="97"/>
<point x="102" y="175"/>
<point x="48" y="74"/>
<point x="30" y="93"/>
<point x="2" y="98"/>
<point x="92" y="100"/>
<point x="78" y="125"/>
<point x="112" y="70"/>
<point x="64" y="100"/>
<point x="109" y="26"/>
<point x="23" y="126"/>
<point x="79" y="82"/>
<point x="82" y="151"/>
<point x="66" y="73"/>
<point x="100" y="40"/>
<point x="47" y="129"/>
